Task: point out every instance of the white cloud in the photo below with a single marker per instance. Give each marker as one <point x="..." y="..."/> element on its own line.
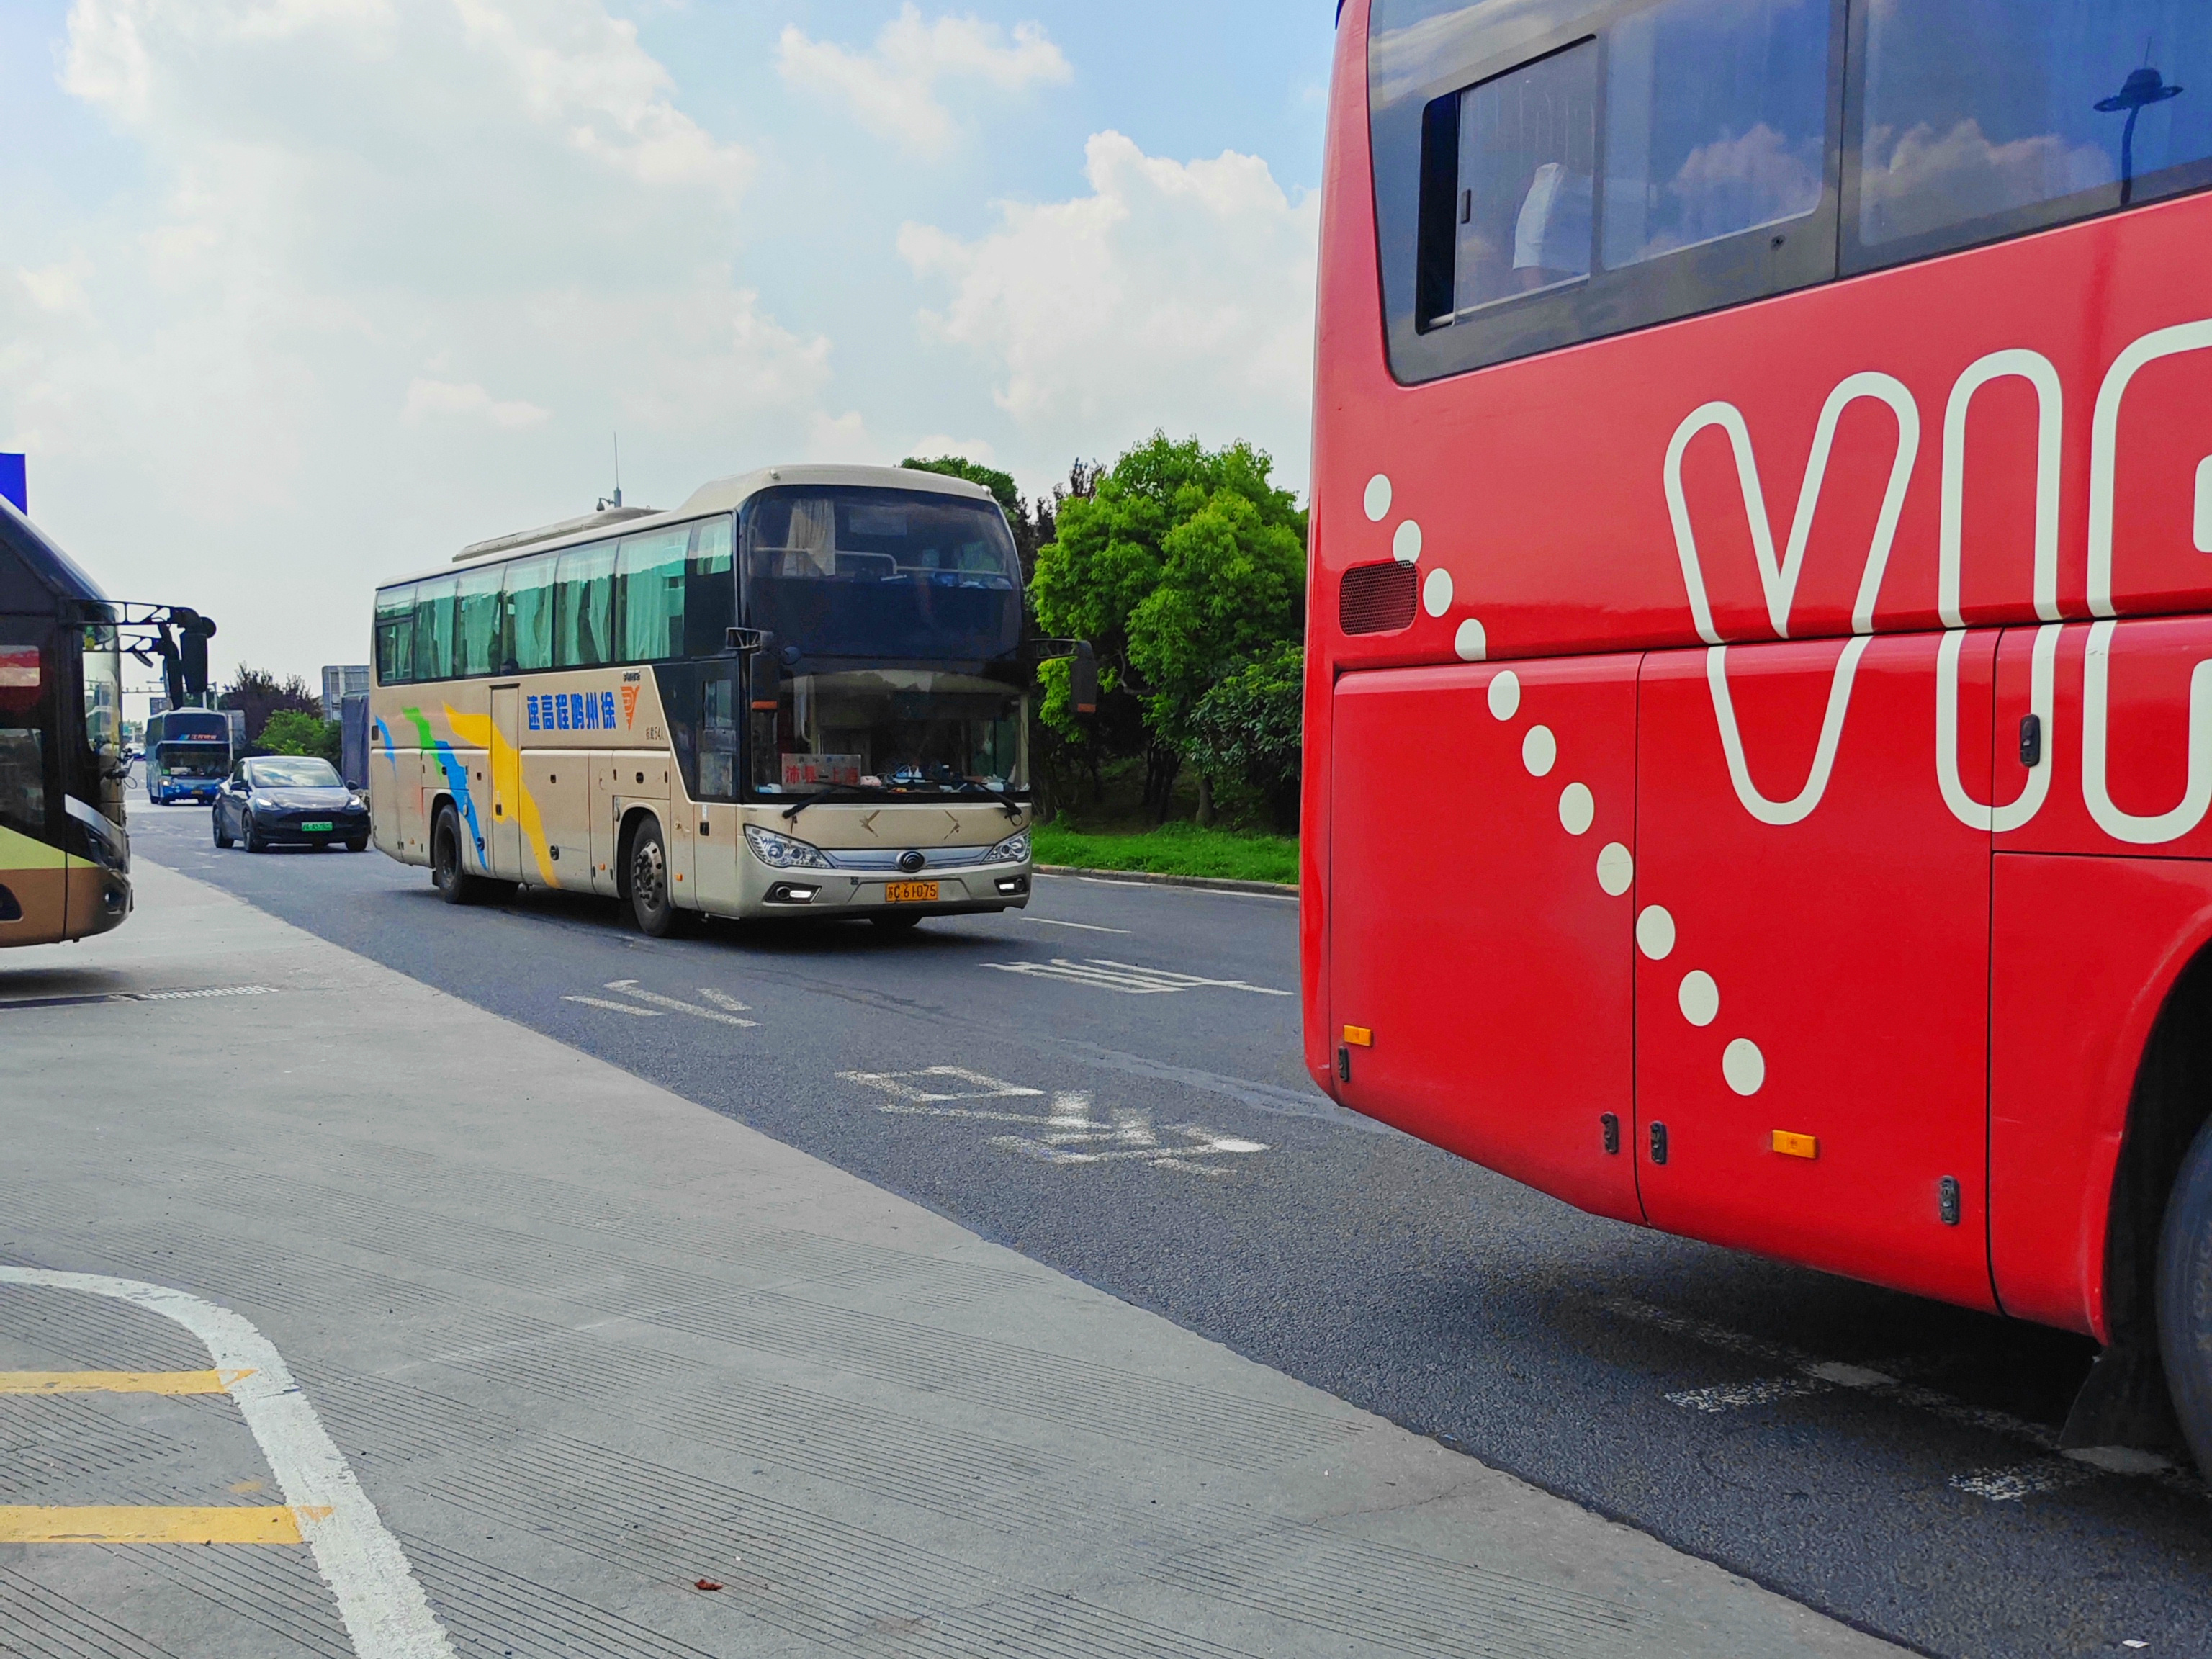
<point x="429" y="398"/>
<point x="892" y="90"/>
<point x="1174" y="294"/>
<point x="399" y="270"/>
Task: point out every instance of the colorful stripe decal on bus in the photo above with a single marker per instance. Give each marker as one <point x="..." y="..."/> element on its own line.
<point x="457" y="778"/>
<point x="480" y="731"/>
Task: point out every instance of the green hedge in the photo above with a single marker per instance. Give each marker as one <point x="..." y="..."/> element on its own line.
<point x="1173" y="849"/>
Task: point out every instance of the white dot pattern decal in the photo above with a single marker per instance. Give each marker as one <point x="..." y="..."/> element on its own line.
<point x="1437" y="592"/>
<point x="1470" y="641"/>
<point x="1405" y="544"/>
<point x="1655" y="932"/>
<point x="1577" y="810"/>
<point x="1539" y="751"/>
<point x="1744" y="1066"/>
<point x="1616" y="869"/>
<point x="1378" y="499"/>
<point x="1505" y="694"/>
<point x="1699" y="997"/>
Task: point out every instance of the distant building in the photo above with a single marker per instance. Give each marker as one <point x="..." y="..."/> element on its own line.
<point x="341" y="683"/>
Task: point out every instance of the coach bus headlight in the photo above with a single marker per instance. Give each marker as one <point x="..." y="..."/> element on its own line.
<point x="782" y="852"/>
<point x="1015" y="849"/>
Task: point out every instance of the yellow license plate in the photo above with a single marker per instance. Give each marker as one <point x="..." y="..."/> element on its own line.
<point x="909" y="892"/>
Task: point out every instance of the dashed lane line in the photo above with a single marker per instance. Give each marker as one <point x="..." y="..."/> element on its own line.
<point x="118" y="1382"/>
<point x="384" y="1609"/>
<point x="1086" y="926"/>
<point x="1104" y="973"/>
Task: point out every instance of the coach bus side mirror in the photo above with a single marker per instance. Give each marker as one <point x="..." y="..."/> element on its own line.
<point x="749" y="641"/>
<point x="1083" y="679"/>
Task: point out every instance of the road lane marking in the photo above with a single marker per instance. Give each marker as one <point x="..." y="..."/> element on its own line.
<point x="385" y="1613"/>
<point x="1102" y="974"/>
<point x="1087" y="926"/>
<point x="1221" y="892"/>
<point x="1734" y="1396"/>
<point x="1070" y="1133"/>
<point x="616" y="1007"/>
<point x="630" y="988"/>
<point x="112" y="1523"/>
<point x="117" y="1381"/>
<point x="2011" y="1485"/>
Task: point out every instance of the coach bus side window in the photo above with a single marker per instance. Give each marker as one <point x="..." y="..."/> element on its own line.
<point x="710" y="589"/>
<point x="1715" y="123"/>
<point x="650" y="573"/>
<point x="1981" y="119"/>
<point x="1527" y="144"/>
<point x="528" y="600"/>
<point x="584" y="607"/>
<point x="23" y="739"/>
<point x="434" y="629"/>
<point x="478" y="647"/>
<point x="395" y="636"/>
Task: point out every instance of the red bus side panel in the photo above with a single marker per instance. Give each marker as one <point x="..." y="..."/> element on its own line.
<point x="1812" y="942"/>
<point x="2085" y="952"/>
<point x="1482" y="834"/>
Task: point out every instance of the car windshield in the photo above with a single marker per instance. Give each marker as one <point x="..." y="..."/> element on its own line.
<point x="293" y="773"/>
<point x="894" y="731"/>
<point x="192" y="760"/>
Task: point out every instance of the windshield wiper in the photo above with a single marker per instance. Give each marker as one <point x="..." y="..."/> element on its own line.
<point x="1003" y="802"/>
<point x="833" y="792"/>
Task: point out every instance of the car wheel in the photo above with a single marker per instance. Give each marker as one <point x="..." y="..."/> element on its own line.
<point x="454" y="884"/>
<point x="359" y="845"/>
<point x="650" y="900"/>
<point x="897" y="921"/>
<point x="2184" y="1296"/>
<point x="253" y="841"/>
<point x="223" y="837"/>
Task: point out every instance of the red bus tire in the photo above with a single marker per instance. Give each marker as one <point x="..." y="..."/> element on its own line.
<point x="2184" y="1296"/>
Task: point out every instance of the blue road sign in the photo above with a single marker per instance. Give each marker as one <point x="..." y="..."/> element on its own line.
<point x="15" y="485"/>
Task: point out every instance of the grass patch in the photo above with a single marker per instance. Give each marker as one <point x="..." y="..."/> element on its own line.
<point x="1172" y="849"/>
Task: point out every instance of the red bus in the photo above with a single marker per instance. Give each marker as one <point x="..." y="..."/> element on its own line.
<point x="1760" y="702"/>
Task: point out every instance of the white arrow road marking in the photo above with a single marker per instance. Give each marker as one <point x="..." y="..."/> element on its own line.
<point x="1102" y="975"/>
<point x="385" y="1613"/>
<point x="629" y="987"/>
<point x="1072" y="1133"/>
<point x="724" y="1000"/>
<point x="616" y="1007"/>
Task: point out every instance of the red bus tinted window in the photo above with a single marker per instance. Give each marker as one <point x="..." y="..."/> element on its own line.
<point x="1980" y="119"/>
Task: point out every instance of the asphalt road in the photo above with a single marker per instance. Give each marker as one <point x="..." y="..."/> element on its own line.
<point x="1049" y="1080"/>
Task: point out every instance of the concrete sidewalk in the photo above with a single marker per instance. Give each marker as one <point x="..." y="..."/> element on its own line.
<point x="589" y="1348"/>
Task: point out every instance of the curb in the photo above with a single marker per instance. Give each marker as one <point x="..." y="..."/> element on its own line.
<point x="1147" y="878"/>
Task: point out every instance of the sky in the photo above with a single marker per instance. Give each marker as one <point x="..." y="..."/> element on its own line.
<point x="297" y="296"/>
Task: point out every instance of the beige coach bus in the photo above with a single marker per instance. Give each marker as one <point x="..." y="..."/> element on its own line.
<point x="803" y="693"/>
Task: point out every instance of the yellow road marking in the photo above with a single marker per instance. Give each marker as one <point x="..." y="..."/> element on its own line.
<point x="118" y="1382"/>
<point x="55" y="1523"/>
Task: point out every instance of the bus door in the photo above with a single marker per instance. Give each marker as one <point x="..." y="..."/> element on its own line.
<point x="32" y="883"/>
<point x="507" y="782"/>
<point x="1481" y="847"/>
<point x="1812" y="926"/>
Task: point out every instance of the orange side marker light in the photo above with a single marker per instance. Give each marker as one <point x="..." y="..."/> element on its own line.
<point x="1791" y="1145"/>
<point x="1359" y="1037"/>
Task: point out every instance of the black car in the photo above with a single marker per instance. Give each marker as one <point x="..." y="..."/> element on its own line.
<point x="278" y="798"/>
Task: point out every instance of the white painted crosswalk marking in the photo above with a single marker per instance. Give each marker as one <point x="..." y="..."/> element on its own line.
<point x="1101" y="974"/>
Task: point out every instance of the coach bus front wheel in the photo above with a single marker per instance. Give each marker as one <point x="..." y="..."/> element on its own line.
<point x="455" y="885"/>
<point x="650" y="900"/>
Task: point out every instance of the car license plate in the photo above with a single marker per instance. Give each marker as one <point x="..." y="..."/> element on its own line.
<point x="909" y="892"/>
<point x="326" y="826"/>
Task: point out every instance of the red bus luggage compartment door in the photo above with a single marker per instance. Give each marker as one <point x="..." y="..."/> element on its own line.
<point x="1482" y="836"/>
<point x="1813" y="953"/>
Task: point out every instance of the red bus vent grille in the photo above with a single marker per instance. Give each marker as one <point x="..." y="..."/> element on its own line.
<point x="1377" y="599"/>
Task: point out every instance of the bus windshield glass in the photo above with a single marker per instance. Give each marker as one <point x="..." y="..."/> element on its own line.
<point x="896" y="732"/>
<point x="193" y="760"/>
<point x="861" y="572"/>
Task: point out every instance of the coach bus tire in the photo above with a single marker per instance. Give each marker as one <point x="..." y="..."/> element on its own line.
<point x="2184" y="1296"/>
<point x="455" y="885"/>
<point x="650" y="900"/>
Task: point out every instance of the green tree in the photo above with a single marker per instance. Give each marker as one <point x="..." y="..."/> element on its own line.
<point x="261" y="695"/>
<point x="293" y="731"/>
<point x="1186" y="563"/>
<point x="1251" y="724"/>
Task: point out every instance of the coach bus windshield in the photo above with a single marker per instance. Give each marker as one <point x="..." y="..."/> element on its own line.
<point x="859" y="572"/>
<point x="896" y="732"/>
